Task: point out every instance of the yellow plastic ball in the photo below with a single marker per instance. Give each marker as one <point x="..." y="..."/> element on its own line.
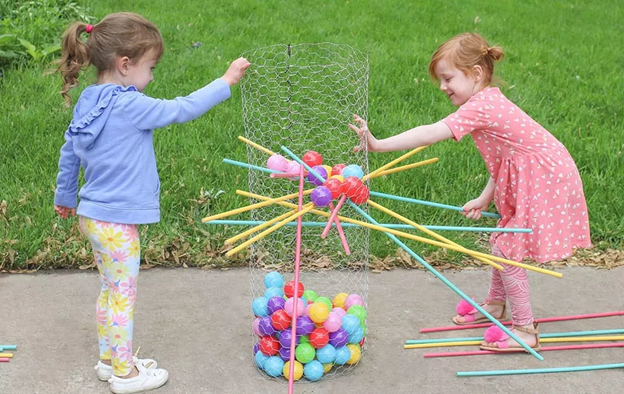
<point x="319" y="312"/>
<point x="339" y="177"/>
<point x="328" y="169"/>
<point x="356" y="353"/>
<point x="327" y="367"/>
<point x="340" y="299"/>
<point x="298" y="370"/>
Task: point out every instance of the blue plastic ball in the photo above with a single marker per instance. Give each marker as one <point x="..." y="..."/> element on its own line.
<point x="259" y="306"/>
<point x="273" y="279"/>
<point x="350" y="323"/>
<point x="274" y="366"/>
<point x="326" y="354"/>
<point x="313" y="370"/>
<point x="260" y="359"/>
<point x="343" y="354"/>
<point x="273" y="292"/>
<point x="357" y="336"/>
<point x="353" y="170"/>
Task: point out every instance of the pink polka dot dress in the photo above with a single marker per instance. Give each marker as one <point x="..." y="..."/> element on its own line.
<point x="537" y="183"/>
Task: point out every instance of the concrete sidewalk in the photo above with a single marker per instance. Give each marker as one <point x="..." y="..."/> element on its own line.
<point x="197" y="324"/>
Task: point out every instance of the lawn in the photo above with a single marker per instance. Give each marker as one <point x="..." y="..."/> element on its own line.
<point x="563" y="67"/>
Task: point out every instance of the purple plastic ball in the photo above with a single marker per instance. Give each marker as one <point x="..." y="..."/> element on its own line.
<point x="256" y="347"/>
<point x="285" y="338"/>
<point x="275" y="304"/>
<point x="305" y="325"/>
<point x="320" y="170"/>
<point x="266" y="326"/>
<point x="321" y="196"/>
<point x="284" y="353"/>
<point x="339" y="338"/>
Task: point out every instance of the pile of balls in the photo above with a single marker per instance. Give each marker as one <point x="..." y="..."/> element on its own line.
<point x="339" y="179"/>
<point x="328" y="333"/>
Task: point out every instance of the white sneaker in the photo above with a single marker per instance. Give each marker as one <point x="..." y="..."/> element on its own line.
<point x="147" y="379"/>
<point x="105" y="372"/>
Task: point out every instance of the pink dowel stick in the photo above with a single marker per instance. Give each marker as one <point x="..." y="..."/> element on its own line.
<point x="508" y="323"/>
<point x="293" y="329"/>
<point x="283" y="175"/>
<point x="333" y="216"/>
<point x="4" y="360"/>
<point x="343" y="239"/>
<point x="544" y="349"/>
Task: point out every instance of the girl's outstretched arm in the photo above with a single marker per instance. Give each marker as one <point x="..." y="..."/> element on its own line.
<point x="410" y="139"/>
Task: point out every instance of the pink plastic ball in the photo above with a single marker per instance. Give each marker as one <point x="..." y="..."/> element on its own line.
<point x="256" y="326"/>
<point x="353" y="299"/>
<point x="339" y="311"/>
<point x="277" y="163"/>
<point x="288" y="306"/>
<point x="333" y="322"/>
<point x="293" y="168"/>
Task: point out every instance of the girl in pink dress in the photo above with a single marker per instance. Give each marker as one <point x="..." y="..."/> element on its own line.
<point x="534" y="181"/>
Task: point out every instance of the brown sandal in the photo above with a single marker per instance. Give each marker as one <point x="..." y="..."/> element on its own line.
<point x="499" y="337"/>
<point x="469" y="316"/>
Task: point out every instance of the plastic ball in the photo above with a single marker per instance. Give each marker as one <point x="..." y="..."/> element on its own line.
<point x="289" y="305"/>
<point x="312" y="158"/>
<point x="358" y="311"/>
<point x="340" y="312"/>
<point x="303" y="338"/>
<point x="256" y="348"/>
<point x="326" y="354"/>
<point x="304" y="325"/>
<point x="259" y="306"/>
<point x="342" y="355"/>
<point x="356" y="353"/>
<point x="304" y="353"/>
<point x="333" y="322"/>
<point x="353" y="299"/>
<point x="313" y="370"/>
<point x="273" y="292"/>
<point x="269" y="345"/>
<point x="339" y="338"/>
<point x="280" y="320"/>
<point x="274" y="366"/>
<point x="265" y="326"/>
<point x="357" y="336"/>
<point x="350" y="323"/>
<point x="260" y="359"/>
<point x="328" y="170"/>
<point x="363" y="327"/>
<point x="327" y="367"/>
<point x="277" y="163"/>
<point x="275" y="304"/>
<point x="310" y="295"/>
<point x="297" y="373"/>
<point x="319" y="312"/>
<point x="294" y="168"/>
<point x="335" y="187"/>
<point x="284" y="353"/>
<point x="352" y="186"/>
<point x="319" y="338"/>
<point x="339" y="177"/>
<point x="321" y="171"/>
<point x="337" y="169"/>
<point x="353" y="170"/>
<point x="256" y="326"/>
<point x="362" y="196"/>
<point x="285" y="339"/>
<point x="289" y="289"/>
<point x="321" y="196"/>
<point x="307" y="309"/>
<point x="325" y="301"/>
<point x="273" y="279"/>
<point x="339" y="300"/>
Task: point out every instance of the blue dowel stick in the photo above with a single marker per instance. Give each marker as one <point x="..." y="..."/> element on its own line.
<point x="247" y="165"/>
<point x="425" y="264"/>
<point x="544" y="370"/>
<point x="8" y="347"/>
<point x="551" y="335"/>
<point x="388" y="225"/>
<point x="429" y="203"/>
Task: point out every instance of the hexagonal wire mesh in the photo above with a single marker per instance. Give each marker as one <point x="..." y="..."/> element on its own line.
<point x="303" y="96"/>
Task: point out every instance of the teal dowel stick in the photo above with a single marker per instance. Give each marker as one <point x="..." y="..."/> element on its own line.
<point x="429" y="203"/>
<point x="544" y="370"/>
<point x="551" y="335"/>
<point x="388" y="225"/>
<point x="425" y="264"/>
<point x="372" y="193"/>
<point x="8" y="347"/>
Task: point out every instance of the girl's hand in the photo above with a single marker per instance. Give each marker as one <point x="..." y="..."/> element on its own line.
<point x="473" y="208"/>
<point x="64" y="211"/>
<point x="364" y="135"/>
<point x="236" y="71"/>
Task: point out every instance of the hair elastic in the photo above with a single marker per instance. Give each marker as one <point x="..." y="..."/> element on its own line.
<point x="88" y="29"/>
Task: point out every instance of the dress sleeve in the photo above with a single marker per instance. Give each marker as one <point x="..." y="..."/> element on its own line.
<point x="468" y="118"/>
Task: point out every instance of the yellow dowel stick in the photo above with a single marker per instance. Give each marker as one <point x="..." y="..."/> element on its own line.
<point x="254" y="206"/>
<point x="403" y="168"/>
<point x="417" y="238"/>
<point x="425" y="230"/>
<point x="542" y="340"/>
<point x="307" y="208"/>
<point x="259" y="147"/>
<point x="258" y="228"/>
<point x="6" y="355"/>
<point x="393" y="162"/>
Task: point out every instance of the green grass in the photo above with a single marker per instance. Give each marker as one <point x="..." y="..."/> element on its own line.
<point x="563" y="67"/>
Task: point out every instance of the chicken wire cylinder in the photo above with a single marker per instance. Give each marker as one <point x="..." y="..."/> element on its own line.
<point x="303" y="97"/>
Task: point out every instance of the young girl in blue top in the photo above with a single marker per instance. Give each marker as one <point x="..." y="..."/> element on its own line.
<point x="111" y="138"/>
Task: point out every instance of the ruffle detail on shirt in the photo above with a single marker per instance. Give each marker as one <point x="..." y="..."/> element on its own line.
<point x="78" y="124"/>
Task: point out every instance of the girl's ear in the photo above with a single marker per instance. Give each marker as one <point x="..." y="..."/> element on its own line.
<point x="478" y="73"/>
<point x="123" y="65"/>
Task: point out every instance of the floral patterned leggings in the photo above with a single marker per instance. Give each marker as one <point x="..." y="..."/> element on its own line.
<point x="511" y="284"/>
<point x="117" y="253"/>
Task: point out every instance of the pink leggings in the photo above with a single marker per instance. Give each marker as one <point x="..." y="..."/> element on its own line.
<point x="512" y="284"/>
